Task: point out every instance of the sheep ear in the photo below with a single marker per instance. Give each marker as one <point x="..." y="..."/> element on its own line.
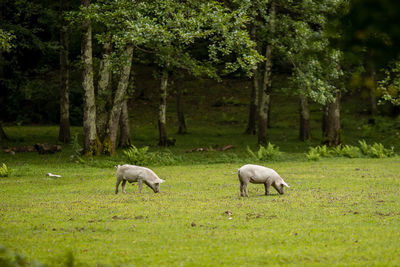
<point x="285" y="184"/>
<point x="161" y="181"/>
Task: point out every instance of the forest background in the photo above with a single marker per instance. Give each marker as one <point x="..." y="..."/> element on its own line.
<point x="92" y="64"/>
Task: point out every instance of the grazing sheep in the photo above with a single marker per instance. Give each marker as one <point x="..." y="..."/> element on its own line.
<point x="259" y="175"/>
<point x="132" y="173"/>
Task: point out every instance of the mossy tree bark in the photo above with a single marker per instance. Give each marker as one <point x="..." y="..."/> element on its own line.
<point x="125" y="132"/>
<point x="331" y="129"/>
<point x="119" y="97"/>
<point x="104" y="92"/>
<point x="162" y="109"/>
<point x="89" y="112"/>
<point x="64" y="134"/>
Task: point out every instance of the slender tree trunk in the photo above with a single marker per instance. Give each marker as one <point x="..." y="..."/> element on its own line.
<point x="264" y="95"/>
<point x="179" y="108"/>
<point x="113" y="122"/>
<point x="372" y="96"/>
<point x="89" y="112"/>
<point x="64" y="134"/>
<point x="162" y="109"/>
<point x="255" y="89"/>
<point x="331" y="123"/>
<point x="305" y="133"/>
<point x="125" y="132"/>
<point x="104" y="92"/>
<point x="3" y="135"/>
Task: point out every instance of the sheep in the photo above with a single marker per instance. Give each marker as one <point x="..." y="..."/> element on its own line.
<point x="259" y="175"/>
<point x="132" y="173"/>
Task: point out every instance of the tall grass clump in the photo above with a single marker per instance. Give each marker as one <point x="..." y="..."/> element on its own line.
<point x="377" y="150"/>
<point x="270" y="152"/>
<point x="4" y="171"/>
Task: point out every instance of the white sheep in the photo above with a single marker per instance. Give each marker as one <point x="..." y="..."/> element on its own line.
<point x="259" y="175"/>
<point x="132" y="173"/>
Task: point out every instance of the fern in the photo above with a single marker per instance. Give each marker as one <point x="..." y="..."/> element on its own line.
<point x="313" y="154"/>
<point x="137" y="156"/>
<point x="271" y="152"/>
<point x="4" y="171"/>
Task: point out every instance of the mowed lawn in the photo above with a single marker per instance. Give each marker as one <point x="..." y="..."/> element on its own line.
<point x="337" y="211"/>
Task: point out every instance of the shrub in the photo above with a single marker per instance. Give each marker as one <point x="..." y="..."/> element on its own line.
<point x="4" y="171"/>
<point x="271" y="152"/>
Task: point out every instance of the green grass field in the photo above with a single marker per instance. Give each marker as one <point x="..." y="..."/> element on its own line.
<point x="337" y="212"/>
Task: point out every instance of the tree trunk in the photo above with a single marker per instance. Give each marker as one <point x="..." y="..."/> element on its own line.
<point x="252" y="123"/>
<point x="305" y="133"/>
<point x="89" y="112"/>
<point x="64" y="134"/>
<point x="331" y="123"/>
<point x="264" y="95"/>
<point x="162" y="109"/>
<point x="104" y="92"/>
<point x="372" y="96"/>
<point x="113" y="122"/>
<point x="179" y="108"/>
<point x="125" y="132"/>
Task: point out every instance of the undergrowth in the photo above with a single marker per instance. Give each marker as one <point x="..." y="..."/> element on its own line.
<point x="377" y="150"/>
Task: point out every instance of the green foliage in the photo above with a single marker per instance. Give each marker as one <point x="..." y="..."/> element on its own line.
<point x="346" y="151"/>
<point x="4" y="171"/>
<point x="270" y="152"/>
<point x="6" y="40"/>
<point x="389" y="86"/>
<point x="142" y="157"/>
<point x="137" y="156"/>
<point x="377" y="150"/>
<point x="313" y="154"/>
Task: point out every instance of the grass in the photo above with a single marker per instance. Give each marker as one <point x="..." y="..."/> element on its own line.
<point x="337" y="212"/>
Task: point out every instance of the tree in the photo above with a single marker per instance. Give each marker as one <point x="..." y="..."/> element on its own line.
<point x="5" y="45"/>
<point x="64" y="131"/>
<point x="89" y="114"/>
<point x="176" y="29"/>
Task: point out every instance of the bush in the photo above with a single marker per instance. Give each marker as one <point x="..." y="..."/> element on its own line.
<point x="4" y="171"/>
<point x="271" y="152"/>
